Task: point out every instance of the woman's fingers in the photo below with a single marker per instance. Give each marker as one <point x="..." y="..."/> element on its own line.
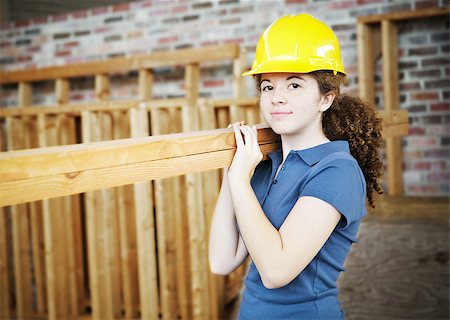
<point x="249" y="136"/>
<point x="238" y="123"/>
<point x="238" y="136"/>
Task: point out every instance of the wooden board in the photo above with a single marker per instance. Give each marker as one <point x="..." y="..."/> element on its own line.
<point x="77" y="108"/>
<point x="145" y="230"/>
<point x="159" y="59"/>
<point x="88" y="167"/>
<point x="405" y="15"/>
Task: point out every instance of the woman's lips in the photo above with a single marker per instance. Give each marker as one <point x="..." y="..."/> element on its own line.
<point x="280" y="114"/>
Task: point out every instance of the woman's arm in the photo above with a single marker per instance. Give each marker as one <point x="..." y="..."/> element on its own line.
<point x="226" y="248"/>
<point x="279" y="255"/>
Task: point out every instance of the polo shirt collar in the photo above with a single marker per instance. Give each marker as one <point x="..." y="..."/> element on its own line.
<point x="313" y="155"/>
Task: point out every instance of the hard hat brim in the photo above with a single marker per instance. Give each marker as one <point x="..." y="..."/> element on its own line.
<point x="288" y="67"/>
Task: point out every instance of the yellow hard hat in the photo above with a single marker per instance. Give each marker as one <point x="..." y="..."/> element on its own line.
<point x="299" y="44"/>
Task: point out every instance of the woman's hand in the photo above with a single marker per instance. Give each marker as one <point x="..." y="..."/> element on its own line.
<point x="248" y="153"/>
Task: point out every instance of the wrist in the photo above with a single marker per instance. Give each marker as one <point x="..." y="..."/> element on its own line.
<point x="238" y="181"/>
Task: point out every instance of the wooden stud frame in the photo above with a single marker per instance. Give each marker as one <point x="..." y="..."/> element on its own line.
<point x="378" y="34"/>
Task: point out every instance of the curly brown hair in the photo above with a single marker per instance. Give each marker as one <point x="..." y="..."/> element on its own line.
<point x="352" y="119"/>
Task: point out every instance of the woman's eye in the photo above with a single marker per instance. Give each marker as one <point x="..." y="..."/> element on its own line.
<point x="294" y="86"/>
<point x="267" y="88"/>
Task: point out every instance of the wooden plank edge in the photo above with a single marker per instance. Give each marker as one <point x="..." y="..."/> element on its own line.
<point x="124" y="64"/>
<point x="404" y="15"/>
<point x="73" y="159"/>
<point x="45" y="187"/>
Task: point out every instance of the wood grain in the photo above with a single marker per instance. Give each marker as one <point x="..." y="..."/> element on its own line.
<point x="75" y="169"/>
<point x="158" y="59"/>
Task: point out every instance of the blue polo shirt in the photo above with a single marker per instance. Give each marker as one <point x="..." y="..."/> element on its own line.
<point x="328" y="172"/>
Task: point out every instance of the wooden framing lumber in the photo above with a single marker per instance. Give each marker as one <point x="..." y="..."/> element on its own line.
<point x="373" y="31"/>
<point x="76" y="108"/>
<point x="194" y="203"/>
<point x="5" y="274"/>
<point x="18" y="135"/>
<point x="366" y="80"/>
<point x="405" y="15"/>
<point x="166" y="203"/>
<point x="125" y="64"/>
<point x="145" y="230"/>
<point x="79" y="168"/>
<point x="394" y="154"/>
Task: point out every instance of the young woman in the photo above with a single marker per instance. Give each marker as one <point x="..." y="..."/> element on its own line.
<point x="298" y="213"/>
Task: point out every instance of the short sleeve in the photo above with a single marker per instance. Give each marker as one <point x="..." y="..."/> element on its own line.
<point x="340" y="183"/>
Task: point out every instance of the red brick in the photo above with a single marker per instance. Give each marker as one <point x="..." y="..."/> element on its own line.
<point x="101" y="10"/>
<point x="209" y="43"/>
<point x="425" y="73"/>
<point x="63" y="53"/>
<point x="416" y="131"/>
<point x="144" y="4"/>
<point x="121" y="7"/>
<point x="24" y="58"/>
<point x="439" y="165"/>
<point x="444" y="83"/>
<point x="422" y="166"/>
<point x="213" y="83"/>
<point x="39" y="21"/>
<point x="438" y="177"/>
<point x="435" y="62"/>
<point x="422" y="189"/>
<point x="180" y="9"/>
<point x="237" y="40"/>
<point x="295" y="1"/>
<point x="242" y="9"/>
<point x="432" y="119"/>
<point x="425" y="96"/>
<point x="230" y="20"/>
<point x="102" y="29"/>
<point x="71" y="44"/>
<point x="342" y="4"/>
<point x="77" y="96"/>
<point x="21" y="24"/>
<point x="33" y="49"/>
<point x="443" y="153"/>
<point x="427" y="4"/>
<point x="168" y="39"/>
<point x="362" y="2"/>
<point x="80" y="14"/>
<point x="202" y="5"/>
<point x="444" y="106"/>
<point x="422" y="51"/>
<point x="6" y="26"/>
<point x="416" y="154"/>
<point x="408" y="86"/>
<point x="61" y="17"/>
<point x="5" y="44"/>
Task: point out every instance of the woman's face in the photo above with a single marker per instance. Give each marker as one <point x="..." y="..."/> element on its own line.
<point x="291" y="103"/>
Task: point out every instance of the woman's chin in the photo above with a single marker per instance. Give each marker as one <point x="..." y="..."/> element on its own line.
<point x="281" y="130"/>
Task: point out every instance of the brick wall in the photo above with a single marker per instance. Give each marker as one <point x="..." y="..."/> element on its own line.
<point x="149" y="26"/>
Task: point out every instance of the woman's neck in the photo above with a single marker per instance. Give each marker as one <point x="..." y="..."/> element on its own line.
<point x="301" y="142"/>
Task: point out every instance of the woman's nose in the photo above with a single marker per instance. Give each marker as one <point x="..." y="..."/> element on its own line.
<point x="279" y="97"/>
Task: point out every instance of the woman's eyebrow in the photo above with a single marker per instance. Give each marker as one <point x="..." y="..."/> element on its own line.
<point x="262" y="80"/>
<point x="295" y="77"/>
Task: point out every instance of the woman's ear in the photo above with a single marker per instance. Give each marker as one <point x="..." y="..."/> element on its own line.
<point x="327" y="100"/>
